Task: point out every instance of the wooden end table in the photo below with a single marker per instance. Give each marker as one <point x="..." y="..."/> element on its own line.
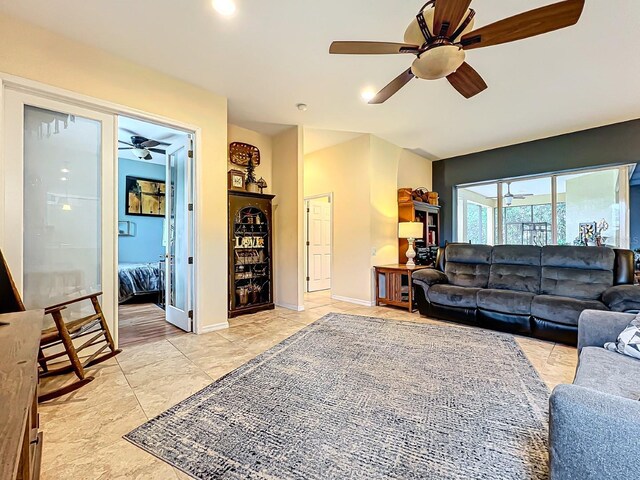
<point x="389" y="288"/>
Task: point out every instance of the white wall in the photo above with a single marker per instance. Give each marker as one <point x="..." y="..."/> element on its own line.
<point x="363" y="175"/>
<point x="288" y="233"/>
<point x="344" y="170"/>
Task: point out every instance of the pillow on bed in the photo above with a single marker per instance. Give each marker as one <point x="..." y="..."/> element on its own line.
<point x="628" y="342"/>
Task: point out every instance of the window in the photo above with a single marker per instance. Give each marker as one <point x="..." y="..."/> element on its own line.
<point x="587" y="207"/>
<point x="476" y="210"/>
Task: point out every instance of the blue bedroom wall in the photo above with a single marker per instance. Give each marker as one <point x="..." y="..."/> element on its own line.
<point x="146" y="245"/>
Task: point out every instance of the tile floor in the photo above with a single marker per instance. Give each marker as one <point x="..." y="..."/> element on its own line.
<point x="83" y="431"/>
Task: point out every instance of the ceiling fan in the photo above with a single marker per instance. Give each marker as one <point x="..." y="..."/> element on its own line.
<point x="442" y="32"/>
<point x="142" y="146"/>
<point x="510" y="197"/>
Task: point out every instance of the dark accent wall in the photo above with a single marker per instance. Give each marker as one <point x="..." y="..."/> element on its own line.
<point x="609" y="145"/>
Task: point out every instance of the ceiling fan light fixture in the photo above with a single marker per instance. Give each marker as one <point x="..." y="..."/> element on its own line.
<point x="438" y="62"/>
<point x="368" y="94"/>
<point x="225" y="8"/>
<point x="140" y="152"/>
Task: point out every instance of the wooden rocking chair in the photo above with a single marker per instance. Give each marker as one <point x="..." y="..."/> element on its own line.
<point x="63" y="334"/>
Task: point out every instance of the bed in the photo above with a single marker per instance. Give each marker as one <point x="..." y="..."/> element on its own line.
<point x="139" y="279"/>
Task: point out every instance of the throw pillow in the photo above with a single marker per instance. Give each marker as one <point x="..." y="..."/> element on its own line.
<point x="628" y="342"/>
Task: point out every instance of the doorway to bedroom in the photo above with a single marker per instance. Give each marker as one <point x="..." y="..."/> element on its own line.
<point x="155" y="232"/>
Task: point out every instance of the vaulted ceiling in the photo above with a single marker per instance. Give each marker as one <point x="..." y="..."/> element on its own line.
<point x="272" y="55"/>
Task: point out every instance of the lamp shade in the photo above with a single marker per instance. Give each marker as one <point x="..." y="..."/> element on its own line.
<point x="410" y="230"/>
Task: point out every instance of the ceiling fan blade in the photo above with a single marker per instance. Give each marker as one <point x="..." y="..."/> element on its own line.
<point x="157" y="150"/>
<point x="396" y="84"/>
<point x="130" y="132"/>
<point x="525" y="25"/>
<point x="148" y="157"/>
<point x="449" y="14"/>
<point x="126" y="148"/>
<point x="149" y="143"/>
<point x="126" y="143"/>
<point x="372" y="48"/>
<point x="467" y="81"/>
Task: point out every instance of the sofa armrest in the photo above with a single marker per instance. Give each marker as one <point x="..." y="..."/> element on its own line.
<point x="622" y="298"/>
<point x="592" y="435"/>
<point x="597" y="327"/>
<point x="429" y="276"/>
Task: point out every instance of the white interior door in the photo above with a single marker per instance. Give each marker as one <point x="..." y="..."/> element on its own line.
<point x="179" y="245"/>
<point x="319" y="226"/>
<point x="58" y="201"/>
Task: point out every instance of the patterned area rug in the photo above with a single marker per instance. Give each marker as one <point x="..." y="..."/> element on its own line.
<point x="365" y="398"/>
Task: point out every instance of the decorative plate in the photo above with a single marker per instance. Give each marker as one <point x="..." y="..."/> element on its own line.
<point x="240" y="153"/>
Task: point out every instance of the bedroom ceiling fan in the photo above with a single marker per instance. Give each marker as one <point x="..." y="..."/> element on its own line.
<point x="142" y="146"/>
<point x="443" y="31"/>
<point x="510" y="197"/>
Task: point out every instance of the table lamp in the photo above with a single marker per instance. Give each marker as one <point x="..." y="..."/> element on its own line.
<point x="410" y="231"/>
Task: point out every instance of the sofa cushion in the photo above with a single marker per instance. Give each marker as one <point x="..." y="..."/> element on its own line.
<point x="505" y="301"/>
<point x="453" y="296"/>
<point x="628" y="342"/>
<point x="515" y="267"/>
<point x="578" y="272"/>
<point x="563" y="310"/>
<point x="609" y="372"/>
<point x="516" y="255"/>
<point x="587" y="258"/>
<point x="468" y="265"/>
<point x="622" y="298"/>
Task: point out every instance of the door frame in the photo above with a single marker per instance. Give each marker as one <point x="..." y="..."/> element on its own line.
<point x="306" y="236"/>
<point x="13" y="82"/>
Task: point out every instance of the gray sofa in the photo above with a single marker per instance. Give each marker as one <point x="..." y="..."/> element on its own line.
<point x="594" y="423"/>
<point x="536" y="291"/>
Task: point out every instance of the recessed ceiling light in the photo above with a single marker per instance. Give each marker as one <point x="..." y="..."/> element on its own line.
<point x="303" y="107"/>
<point x="65" y="170"/>
<point x="367" y="94"/>
<point x="225" y="7"/>
<point x="64" y="179"/>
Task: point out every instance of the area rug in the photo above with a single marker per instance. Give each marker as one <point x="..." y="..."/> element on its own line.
<point x="365" y="398"/>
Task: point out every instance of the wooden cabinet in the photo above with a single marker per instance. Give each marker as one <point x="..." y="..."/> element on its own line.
<point x="250" y="253"/>
<point x="20" y="438"/>
<point x="429" y="215"/>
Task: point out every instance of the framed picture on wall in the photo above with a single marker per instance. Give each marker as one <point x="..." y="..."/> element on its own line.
<point x="145" y="197"/>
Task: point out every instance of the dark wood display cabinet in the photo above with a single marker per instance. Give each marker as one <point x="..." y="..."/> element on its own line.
<point x="250" y="253"/>
<point x="429" y="215"/>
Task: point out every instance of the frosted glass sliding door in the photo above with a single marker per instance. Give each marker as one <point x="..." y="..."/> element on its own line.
<point x="62" y="212"/>
<point x="59" y="203"/>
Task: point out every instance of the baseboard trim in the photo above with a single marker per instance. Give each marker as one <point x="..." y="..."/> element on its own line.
<point x="213" y="328"/>
<point x="290" y="306"/>
<point x="357" y="301"/>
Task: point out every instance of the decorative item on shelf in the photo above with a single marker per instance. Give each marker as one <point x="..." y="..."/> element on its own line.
<point x="603" y="226"/>
<point x="411" y="231"/>
<point x="592" y="233"/>
<point x="254" y="293"/>
<point x="262" y="184"/>
<point x="251" y="184"/>
<point x="240" y="154"/>
<point x="235" y="180"/>
<point x="433" y="198"/>
<point x="243" y="295"/>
